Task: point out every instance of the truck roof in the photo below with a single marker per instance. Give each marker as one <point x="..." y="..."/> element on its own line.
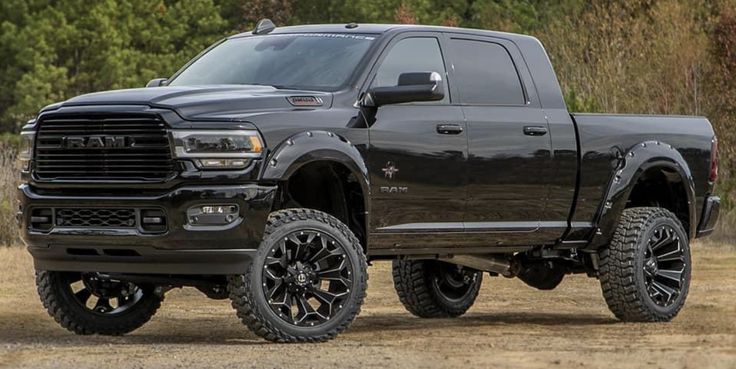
<point x="373" y="28"/>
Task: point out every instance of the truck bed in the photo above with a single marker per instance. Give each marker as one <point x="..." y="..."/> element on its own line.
<point x="691" y="136"/>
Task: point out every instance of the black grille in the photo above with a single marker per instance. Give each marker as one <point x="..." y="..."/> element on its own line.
<point x="129" y="147"/>
<point x="96" y="218"/>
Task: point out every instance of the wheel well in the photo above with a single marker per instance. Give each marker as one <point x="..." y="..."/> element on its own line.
<point x="662" y="187"/>
<point x="326" y="186"/>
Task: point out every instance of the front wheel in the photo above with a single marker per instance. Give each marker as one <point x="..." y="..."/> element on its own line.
<point x="645" y="271"/>
<point x="307" y="281"/>
<point x="85" y="303"/>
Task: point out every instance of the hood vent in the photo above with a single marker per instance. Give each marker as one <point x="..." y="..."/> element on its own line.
<point x="302" y="101"/>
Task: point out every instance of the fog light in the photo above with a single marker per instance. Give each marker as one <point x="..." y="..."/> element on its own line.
<point x="153" y="220"/>
<point x="41" y="219"/>
<point x="212" y="215"/>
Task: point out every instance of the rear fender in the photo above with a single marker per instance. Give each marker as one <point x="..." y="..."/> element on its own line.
<point x="634" y="163"/>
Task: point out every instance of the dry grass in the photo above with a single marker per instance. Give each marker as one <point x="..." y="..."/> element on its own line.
<point x="9" y="180"/>
<point x="726" y="228"/>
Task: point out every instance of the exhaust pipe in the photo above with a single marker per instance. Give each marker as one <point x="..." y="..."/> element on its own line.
<point x="503" y="266"/>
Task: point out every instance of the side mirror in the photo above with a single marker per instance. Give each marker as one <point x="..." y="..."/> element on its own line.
<point x="411" y="87"/>
<point x="156" y="82"/>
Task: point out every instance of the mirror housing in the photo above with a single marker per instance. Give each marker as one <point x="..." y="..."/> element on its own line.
<point x="411" y="87"/>
<point x="157" y="82"/>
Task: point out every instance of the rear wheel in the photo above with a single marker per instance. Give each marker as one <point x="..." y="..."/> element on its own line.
<point x="84" y="303"/>
<point x="434" y="289"/>
<point x="645" y="271"/>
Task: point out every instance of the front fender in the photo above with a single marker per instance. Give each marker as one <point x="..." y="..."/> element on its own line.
<point x="307" y="147"/>
<point x="635" y="162"/>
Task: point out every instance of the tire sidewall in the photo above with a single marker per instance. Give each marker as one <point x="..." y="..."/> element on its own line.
<point x="639" y="261"/>
<point x="254" y="279"/>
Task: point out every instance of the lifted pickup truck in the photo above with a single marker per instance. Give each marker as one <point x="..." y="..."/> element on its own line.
<point x="276" y="164"/>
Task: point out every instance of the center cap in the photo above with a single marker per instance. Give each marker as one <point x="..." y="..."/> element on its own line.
<point x="651" y="266"/>
<point x="301" y="278"/>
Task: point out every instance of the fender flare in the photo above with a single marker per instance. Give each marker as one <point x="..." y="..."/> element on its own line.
<point x="635" y="162"/>
<point x="311" y="146"/>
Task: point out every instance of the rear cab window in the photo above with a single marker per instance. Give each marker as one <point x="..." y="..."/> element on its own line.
<point x="485" y="73"/>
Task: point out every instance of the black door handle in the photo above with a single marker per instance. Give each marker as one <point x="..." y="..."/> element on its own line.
<point x="449" y="129"/>
<point x="535" y="131"/>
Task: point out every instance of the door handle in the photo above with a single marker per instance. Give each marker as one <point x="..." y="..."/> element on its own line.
<point x="535" y="130"/>
<point x="449" y="129"/>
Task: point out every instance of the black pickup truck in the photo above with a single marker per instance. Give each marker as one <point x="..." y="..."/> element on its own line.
<point x="273" y="167"/>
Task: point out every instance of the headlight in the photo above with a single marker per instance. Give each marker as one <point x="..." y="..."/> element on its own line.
<point x="26" y="149"/>
<point x="218" y="149"/>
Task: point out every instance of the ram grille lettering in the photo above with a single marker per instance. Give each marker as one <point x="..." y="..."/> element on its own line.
<point x="97" y="142"/>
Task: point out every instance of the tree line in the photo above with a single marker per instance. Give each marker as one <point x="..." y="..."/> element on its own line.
<point x="627" y="56"/>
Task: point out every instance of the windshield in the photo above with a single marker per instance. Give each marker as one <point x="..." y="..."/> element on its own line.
<point x="313" y="61"/>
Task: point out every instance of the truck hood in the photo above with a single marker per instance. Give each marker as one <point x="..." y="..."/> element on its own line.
<point x="231" y="103"/>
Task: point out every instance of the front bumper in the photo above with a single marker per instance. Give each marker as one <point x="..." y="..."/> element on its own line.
<point x="709" y="218"/>
<point x="178" y="248"/>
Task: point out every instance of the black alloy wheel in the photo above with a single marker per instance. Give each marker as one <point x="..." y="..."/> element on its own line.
<point x="664" y="266"/>
<point x="454" y="282"/>
<point x="104" y="297"/>
<point x="306" y="278"/>
<point x="86" y="303"/>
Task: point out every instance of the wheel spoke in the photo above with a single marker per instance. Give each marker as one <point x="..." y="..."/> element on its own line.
<point x="285" y="302"/>
<point x="330" y="254"/>
<point x="276" y="287"/>
<point x="664" y="290"/>
<point x="327" y="297"/>
<point x="674" y="255"/>
<point x="103" y="305"/>
<point x="315" y="258"/>
<point x="333" y="272"/>
<point x="270" y="275"/>
<point x="276" y="261"/>
<point x="310" y="238"/>
<point x="304" y="309"/>
<point x="83" y="295"/>
<point x="674" y="275"/>
<point x="667" y="238"/>
<point x="297" y="251"/>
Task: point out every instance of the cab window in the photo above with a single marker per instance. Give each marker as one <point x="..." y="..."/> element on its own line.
<point x="485" y="74"/>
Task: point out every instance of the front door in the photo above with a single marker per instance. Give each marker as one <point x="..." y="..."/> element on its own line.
<point x="417" y="156"/>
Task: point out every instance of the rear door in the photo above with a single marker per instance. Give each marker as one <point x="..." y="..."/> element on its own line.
<point x="509" y="147"/>
<point x="417" y="155"/>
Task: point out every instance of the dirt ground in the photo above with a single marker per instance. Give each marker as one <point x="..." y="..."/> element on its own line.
<point x="510" y="326"/>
